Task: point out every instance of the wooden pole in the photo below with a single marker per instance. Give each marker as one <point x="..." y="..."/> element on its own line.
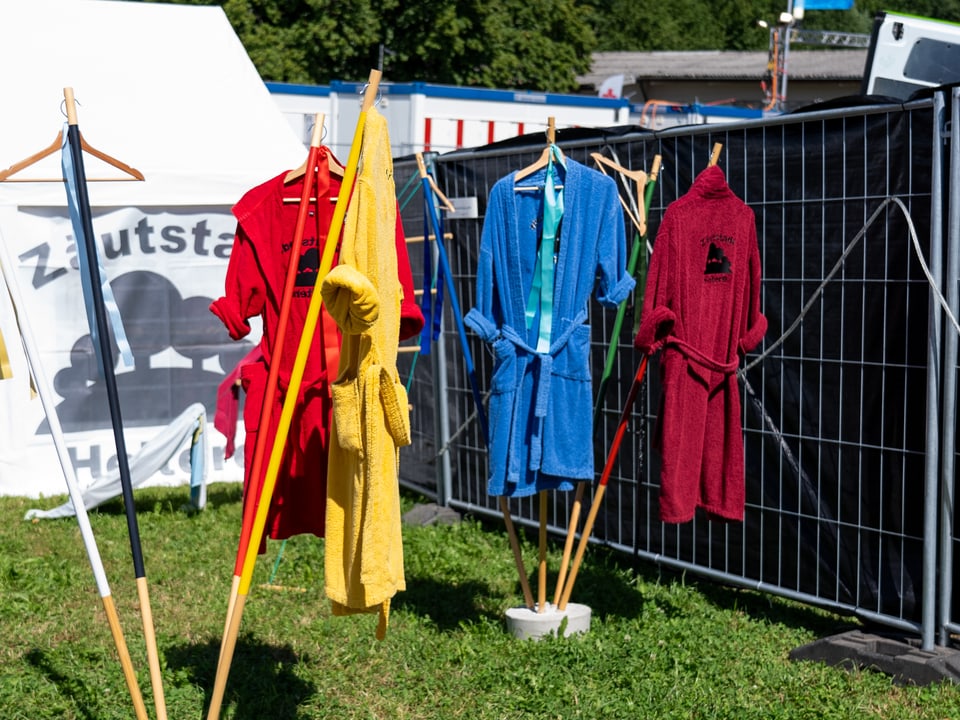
<point x="517" y="556"/>
<point x="636" y="253"/>
<point x="542" y="564"/>
<point x="428" y="191"/>
<point x="601" y="489"/>
<point x="113" y="620"/>
<point x="474" y="385"/>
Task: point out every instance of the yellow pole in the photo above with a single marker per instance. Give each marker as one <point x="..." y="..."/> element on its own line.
<point x="293" y="389"/>
<point x="273" y="375"/>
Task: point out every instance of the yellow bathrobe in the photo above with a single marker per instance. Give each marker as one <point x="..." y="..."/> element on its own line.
<point x="364" y="547"/>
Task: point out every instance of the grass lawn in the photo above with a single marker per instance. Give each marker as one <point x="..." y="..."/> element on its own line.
<point x="660" y="645"/>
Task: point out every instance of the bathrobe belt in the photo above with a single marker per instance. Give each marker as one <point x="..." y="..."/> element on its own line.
<point x="705" y="361"/>
<point x="541" y="382"/>
<point x="656" y="331"/>
<point x="711" y="372"/>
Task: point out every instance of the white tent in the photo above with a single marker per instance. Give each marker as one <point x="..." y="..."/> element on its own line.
<point x="170" y="91"/>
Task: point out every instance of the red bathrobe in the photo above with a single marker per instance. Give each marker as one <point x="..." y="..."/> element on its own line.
<point x="702" y="308"/>
<point x="256" y="275"/>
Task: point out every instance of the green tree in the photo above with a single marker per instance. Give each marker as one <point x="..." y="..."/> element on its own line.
<point x="648" y="25"/>
<point x="523" y="44"/>
<point x="307" y="41"/>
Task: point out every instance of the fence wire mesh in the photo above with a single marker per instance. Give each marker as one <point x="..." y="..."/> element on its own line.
<point x="834" y="403"/>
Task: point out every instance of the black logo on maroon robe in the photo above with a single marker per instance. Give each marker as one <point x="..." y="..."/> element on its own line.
<point x="717" y="262"/>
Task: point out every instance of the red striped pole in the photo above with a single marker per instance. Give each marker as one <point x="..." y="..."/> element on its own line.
<point x="273" y="374"/>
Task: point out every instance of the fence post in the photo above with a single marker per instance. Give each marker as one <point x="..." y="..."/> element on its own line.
<point x="934" y="313"/>
<point x="441" y="414"/>
<point x="945" y="595"/>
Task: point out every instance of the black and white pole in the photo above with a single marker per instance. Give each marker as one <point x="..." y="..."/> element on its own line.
<point x="106" y="354"/>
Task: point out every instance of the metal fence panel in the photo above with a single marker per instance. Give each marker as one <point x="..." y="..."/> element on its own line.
<point x="833" y="400"/>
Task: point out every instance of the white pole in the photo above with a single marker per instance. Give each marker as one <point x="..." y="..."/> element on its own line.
<point x="45" y="391"/>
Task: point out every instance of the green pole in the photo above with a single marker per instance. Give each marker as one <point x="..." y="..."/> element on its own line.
<point x="638" y="256"/>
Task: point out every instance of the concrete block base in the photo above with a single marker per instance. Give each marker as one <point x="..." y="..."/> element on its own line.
<point x="525" y="623"/>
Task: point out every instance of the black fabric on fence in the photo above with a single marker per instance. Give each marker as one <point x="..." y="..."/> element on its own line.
<point x="833" y="417"/>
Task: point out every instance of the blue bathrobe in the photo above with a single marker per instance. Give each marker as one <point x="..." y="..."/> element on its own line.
<point x="541" y="404"/>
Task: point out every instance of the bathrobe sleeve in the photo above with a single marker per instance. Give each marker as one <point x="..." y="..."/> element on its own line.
<point x="483" y="317"/>
<point x="753" y="323"/>
<point x="244" y="288"/>
<point x="658" y="317"/>
<point x="411" y="316"/>
<point x="615" y="283"/>
<point x="250" y="267"/>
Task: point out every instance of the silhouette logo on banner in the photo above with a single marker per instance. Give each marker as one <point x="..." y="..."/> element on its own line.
<point x="176" y="353"/>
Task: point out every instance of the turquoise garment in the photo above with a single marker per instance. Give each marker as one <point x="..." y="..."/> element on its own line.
<point x="541" y="294"/>
<point x="541" y="401"/>
<point x="109" y="303"/>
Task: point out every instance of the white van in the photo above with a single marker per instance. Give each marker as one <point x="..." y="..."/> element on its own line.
<point x="908" y="53"/>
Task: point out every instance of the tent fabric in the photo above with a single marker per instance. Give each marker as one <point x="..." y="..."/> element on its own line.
<point x="153" y="456"/>
<point x="180" y="118"/>
<point x="202" y="128"/>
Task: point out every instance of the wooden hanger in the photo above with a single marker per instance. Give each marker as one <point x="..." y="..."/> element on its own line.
<point x="639" y="178"/>
<point x="715" y="155"/>
<point x="334" y="165"/>
<point x="315" y="140"/>
<point x="433" y="184"/>
<point x="57" y="143"/>
<point x="541" y="162"/>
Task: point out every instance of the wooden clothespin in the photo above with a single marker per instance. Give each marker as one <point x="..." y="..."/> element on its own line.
<point x="715" y="155"/>
<point x="71" y="108"/>
<point x="654" y="168"/>
<point x="422" y="168"/>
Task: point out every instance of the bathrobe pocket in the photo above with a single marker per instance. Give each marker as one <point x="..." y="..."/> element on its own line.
<point x="567" y="426"/>
<point x="396" y="410"/>
<point x="346" y="414"/>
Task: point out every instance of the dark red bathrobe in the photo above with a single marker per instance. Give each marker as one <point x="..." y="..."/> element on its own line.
<point x="702" y="308"/>
<point x="254" y="284"/>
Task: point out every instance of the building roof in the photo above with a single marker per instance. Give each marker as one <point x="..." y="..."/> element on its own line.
<point x="636" y="67"/>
